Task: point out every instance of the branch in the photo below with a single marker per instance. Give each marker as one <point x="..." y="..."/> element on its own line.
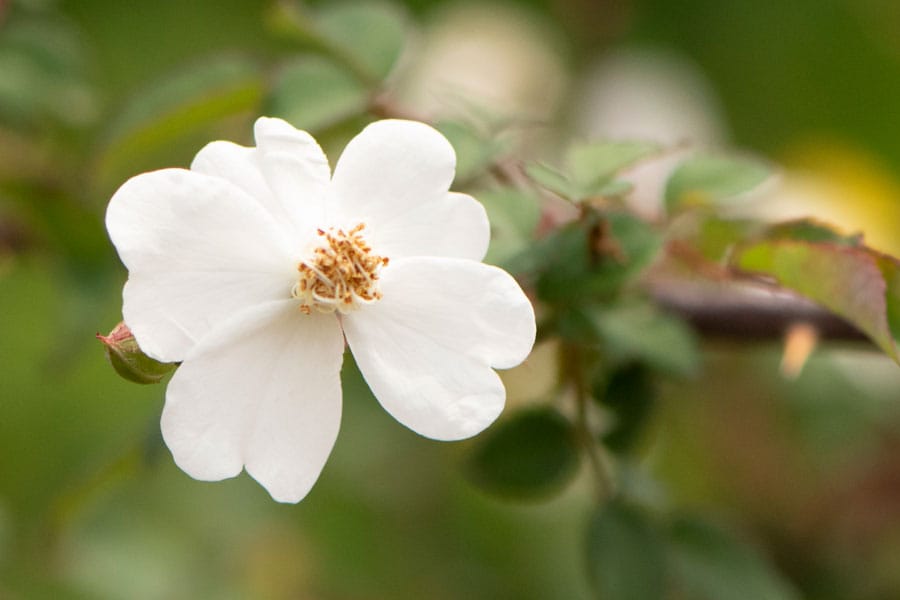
<point x="738" y="310"/>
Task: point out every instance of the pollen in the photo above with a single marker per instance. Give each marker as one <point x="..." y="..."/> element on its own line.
<point x="341" y="275"/>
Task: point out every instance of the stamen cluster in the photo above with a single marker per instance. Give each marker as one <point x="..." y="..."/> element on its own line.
<point x="342" y="274"/>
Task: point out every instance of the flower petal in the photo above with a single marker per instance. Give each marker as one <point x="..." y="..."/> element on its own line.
<point x="397" y="173"/>
<point x="198" y="250"/>
<point x="427" y="347"/>
<point x="263" y="391"/>
<point x="296" y="170"/>
<point x="455" y="226"/>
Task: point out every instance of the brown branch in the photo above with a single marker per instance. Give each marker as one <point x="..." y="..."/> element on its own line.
<point x="745" y="312"/>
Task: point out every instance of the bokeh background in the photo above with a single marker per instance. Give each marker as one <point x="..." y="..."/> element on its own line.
<point x="805" y="470"/>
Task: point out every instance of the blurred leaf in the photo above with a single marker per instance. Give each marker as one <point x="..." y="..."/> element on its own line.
<point x="708" y="179"/>
<point x="626" y="557"/>
<point x="474" y="152"/>
<point x="594" y="164"/>
<point x="129" y="360"/>
<point x="710" y="564"/>
<point x="590" y="168"/>
<point x="629" y="393"/>
<point x="848" y="281"/>
<point x="185" y="102"/>
<point x="44" y="74"/>
<point x="531" y="454"/>
<point x="514" y="216"/>
<point x="590" y="260"/>
<point x="553" y="180"/>
<point x="639" y="332"/>
<point x="372" y="34"/>
<point x="716" y="237"/>
<point x="809" y="230"/>
<point x="313" y="93"/>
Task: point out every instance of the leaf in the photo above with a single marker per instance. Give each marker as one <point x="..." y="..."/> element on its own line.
<point x="716" y="237"/>
<point x="590" y="168"/>
<point x="44" y="74"/>
<point x="640" y="332"/>
<point x="171" y="109"/>
<point x="850" y="282"/>
<point x="371" y="34"/>
<point x="514" y="216"/>
<point x="529" y="455"/>
<point x="553" y="180"/>
<point x="474" y="152"/>
<point x="809" y="230"/>
<point x="593" y="164"/>
<point x="628" y="392"/>
<point x="710" y="179"/>
<point x="626" y="555"/>
<point x="313" y="93"/>
<point x="595" y="259"/>
<point x="707" y="563"/>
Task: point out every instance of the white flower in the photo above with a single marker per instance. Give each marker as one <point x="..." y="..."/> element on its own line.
<point x="255" y="265"/>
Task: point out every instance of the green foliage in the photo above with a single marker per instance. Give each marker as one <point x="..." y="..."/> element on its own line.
<point x="44" y="75"/>
<point x="628" y="393"/>
<point x="709" y="564"/>
<point x="637" y="331"/>
<point x="529" y="455"/>
<point x="851" y="282"/>
<point x="708" y="179"/>
<point x="590" y="169"/>
<point x="809" y="230"/>
<point x="368" y="35"/>
<point x="625" y="554"/>
<point x="514" y="216"/>
<point x="590" y="260"/>
<point x="475" y="152"/>
<point x="313" y="93"/>
<point x="181" y="104"/>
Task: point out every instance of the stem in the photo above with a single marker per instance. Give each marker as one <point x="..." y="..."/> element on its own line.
<point x="596" y="455"/>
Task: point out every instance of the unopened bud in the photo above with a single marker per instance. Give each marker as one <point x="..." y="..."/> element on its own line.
<point x="129" y="361"/>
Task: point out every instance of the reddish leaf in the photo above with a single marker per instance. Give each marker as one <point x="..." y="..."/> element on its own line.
<point x="849" y="281"/>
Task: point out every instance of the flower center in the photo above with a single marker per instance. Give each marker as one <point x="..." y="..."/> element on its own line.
<point x="342" y="274"/>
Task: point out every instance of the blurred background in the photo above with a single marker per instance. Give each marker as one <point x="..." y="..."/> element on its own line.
<point x="805" y="471"/>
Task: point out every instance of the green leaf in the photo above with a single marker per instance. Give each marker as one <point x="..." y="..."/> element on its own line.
<point x="639" y="332"/>
<point x="184" y="103"/>
<point x="715" y="237"/>
<point x="707" y="563"/>
<point x="590" y="168"/>
<point x="626" y="554"/>
<point x="593" y="164"/>
<point x="849" y="282"/>
<point x="474" y="152"/>
<point x="553" y="180"/>
<point x="592" y="260"/>
<point x="809" y="230"/>
<point x="708" y="179"/>
<point x="529" y="455"/>
<point x="628" y="392"/>
<point x="514" y="215"/>
<point x="313" y="93"/>
<point x="44" y="74"/>
<point x="370" y="34"/>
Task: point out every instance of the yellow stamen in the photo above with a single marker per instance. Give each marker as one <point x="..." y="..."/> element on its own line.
<point x="341" y="275"/>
